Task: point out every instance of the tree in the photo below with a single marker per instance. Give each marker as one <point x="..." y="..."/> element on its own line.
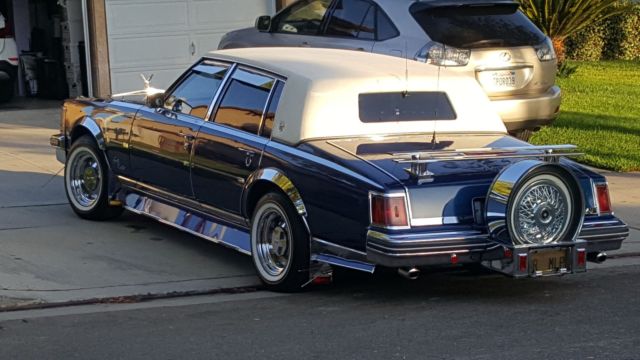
<point x="559" y="19"/>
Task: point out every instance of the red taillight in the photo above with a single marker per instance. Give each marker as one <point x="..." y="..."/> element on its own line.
<point x="388" y="211"/>
<point x="522" y="262"/>
<point x="602" y="195"/>
<point x="582" y="257"/>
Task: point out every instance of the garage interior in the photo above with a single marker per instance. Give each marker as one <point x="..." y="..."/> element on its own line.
<point x="70" y="48"/>
<point x="49" y="35"/>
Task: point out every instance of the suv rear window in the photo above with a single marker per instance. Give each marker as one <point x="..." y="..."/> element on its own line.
<point x="412" y="106"/>
<point x="472" y="27"/>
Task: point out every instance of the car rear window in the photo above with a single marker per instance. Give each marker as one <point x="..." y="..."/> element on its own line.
<point x="398" y="106"/>
<point x="472" y="27"/>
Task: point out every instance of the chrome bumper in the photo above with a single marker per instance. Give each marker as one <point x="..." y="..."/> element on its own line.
<point x="473" y="246"/>
<point x="59" y="141"/>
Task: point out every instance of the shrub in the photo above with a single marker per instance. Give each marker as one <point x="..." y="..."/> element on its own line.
<point x="617" y="38"/>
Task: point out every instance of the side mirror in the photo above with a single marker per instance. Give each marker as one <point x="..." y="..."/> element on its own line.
<point x="263" y="23"/>
<point x="155" y="101"/>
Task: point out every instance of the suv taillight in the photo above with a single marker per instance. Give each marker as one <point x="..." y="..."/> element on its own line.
<point x="389" y="211"/>
<point x="439" y="54"/>
<point x="604" y="201"/>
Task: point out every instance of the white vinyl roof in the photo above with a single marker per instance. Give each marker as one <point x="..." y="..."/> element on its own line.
<point x="320" y="98"/>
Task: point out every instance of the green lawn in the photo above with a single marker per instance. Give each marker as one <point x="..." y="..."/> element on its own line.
<point x="600" y="113"/>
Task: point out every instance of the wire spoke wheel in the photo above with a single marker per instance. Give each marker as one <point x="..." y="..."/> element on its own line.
<point x="542" y="211"/>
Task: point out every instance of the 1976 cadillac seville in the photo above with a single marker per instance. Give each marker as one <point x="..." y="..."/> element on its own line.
<point x="311" y="158"/>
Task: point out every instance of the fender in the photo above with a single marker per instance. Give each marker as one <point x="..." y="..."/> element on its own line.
<point x="277" y="178"/>
<point x="92" y="126"/>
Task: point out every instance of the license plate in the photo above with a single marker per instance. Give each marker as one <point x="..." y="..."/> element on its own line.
<point x="549" y="262"/>
<point x="504" y="79"/>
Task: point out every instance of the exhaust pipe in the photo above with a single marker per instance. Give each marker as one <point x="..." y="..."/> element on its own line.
<point x="597" y="258"/>
<point x="409" y="273"/>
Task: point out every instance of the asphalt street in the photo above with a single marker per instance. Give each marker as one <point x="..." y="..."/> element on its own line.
<point x="440" y="316"/>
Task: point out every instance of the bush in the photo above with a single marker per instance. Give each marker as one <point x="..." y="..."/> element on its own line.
<point x="617" y="38"/>
<point x="588" y="44"/>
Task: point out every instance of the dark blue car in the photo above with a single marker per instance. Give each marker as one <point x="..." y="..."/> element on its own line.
<point x="307" y="159"/>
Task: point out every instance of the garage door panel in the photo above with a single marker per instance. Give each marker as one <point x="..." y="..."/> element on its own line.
<point x="226" y="15"/>
<point x="148" y="17"/>
<point x="206" y="42"/>
<point x="158" y="36"/>
<point x="129" y="80"/>
<point x="149" y="51"/>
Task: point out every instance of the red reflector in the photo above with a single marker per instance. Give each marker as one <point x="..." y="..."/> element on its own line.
<point x="388" y="211"/>
<point x="604" y="202"/>
<point x="508" y="253"/>
<point x="13" y="59"/>
<point x="454" y="259"/>
<point x="582" y="257"/>
<point x="322" y="280"/>
<point x="522" y="262"/>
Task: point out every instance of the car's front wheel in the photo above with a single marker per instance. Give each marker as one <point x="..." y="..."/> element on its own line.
<point x="279" y="244"/>
<point x="86" y="181"/>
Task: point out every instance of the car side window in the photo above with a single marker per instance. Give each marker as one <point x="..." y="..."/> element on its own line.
<point x="244" y="101"/>
<point x="270" y="116"/>
<point x="384" y="26"/>
<point x="195" y="93"/>
<point x="350" y="18"/>
<point x="304" y="17"/>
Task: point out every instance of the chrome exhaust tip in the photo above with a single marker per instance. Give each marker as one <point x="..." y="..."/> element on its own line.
<point x="597" y="258"/>
<point x="409" y="273"/>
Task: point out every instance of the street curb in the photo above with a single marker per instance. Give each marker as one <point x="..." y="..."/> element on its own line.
<point x="130" y="298"/>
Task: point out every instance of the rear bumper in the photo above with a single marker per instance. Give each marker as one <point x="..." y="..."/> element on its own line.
<point x="472" y="246"/>
<point x="529" y="112"/>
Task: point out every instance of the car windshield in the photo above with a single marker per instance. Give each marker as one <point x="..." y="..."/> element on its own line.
<point x="471" y="27"/>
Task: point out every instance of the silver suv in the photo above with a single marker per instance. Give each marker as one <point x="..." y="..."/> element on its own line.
<point x="490" y="40"/>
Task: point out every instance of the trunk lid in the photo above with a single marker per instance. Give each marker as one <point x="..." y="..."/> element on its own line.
<point x="448" y="198"/>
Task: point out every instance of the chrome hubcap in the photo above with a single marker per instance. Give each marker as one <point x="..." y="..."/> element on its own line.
<point x="543" y="213"/>
<point x="85" y="179"/>
<point x="273" y="242"/>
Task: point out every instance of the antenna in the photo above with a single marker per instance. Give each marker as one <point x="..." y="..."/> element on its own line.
<point x="434" y="140"/>
<point x="406" y="70"/>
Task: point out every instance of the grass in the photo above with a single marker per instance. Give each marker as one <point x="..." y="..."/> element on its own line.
<point x="600" y="113"/>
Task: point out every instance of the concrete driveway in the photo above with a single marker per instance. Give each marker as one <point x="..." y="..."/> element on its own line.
<point x="48" y="255"/>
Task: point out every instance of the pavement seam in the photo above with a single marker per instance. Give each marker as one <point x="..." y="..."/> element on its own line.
<point x="34" y="205"/>
<point x="30" y="162"/>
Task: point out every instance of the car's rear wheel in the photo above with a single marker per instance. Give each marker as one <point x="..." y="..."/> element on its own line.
<point x="279" y="244"/>
<point x="87" y="182"/>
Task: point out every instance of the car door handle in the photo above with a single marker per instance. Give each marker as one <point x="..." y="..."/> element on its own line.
<point x="188" y="141"/>
<point x="249" y="154"/>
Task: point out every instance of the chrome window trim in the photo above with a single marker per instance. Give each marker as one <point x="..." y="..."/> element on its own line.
<point x="389" y="195"/>
<point x="218" y="93"/>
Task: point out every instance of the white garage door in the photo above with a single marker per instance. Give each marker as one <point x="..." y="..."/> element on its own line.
<point x="164" y="37"/>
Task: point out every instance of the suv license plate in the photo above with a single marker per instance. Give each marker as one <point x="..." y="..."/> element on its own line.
<point x="504" y="79"/>
<point x="549" y="262"/>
